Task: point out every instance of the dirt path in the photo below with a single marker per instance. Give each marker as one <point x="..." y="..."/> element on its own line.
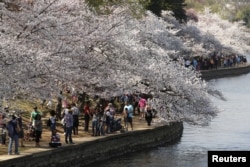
<point x="81" y="137"/>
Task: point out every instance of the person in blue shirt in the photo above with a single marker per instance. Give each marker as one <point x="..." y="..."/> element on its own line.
<point x="129" y="115"/>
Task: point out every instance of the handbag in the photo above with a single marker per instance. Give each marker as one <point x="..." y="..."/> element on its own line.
<point x="18" y="129"/>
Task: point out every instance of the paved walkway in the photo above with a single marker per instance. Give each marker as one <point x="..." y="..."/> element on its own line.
<point x="80" y="138"/>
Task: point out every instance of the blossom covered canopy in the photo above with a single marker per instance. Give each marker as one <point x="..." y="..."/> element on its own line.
<point x="48" y="45"/>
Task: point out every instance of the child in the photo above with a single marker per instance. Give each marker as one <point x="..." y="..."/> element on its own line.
<point x="55" y="139"/>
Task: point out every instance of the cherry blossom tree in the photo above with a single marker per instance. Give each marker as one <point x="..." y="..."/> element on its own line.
<point x="233" y="37"/>
<point x="212" y="33"/>
<point x="51" y="43"/>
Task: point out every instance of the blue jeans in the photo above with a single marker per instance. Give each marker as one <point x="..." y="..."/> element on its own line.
<point x="100" y="129"/>
<point x="53" y="126"/>
<point x="11" y="140"/>
<point x="69" y="134"/>
<point x="94" y="128"/>
<point x="3" y="138"/>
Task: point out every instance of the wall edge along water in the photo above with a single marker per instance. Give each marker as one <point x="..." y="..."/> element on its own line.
<point x="225" y="72"/>
<point x="100" y="149"/>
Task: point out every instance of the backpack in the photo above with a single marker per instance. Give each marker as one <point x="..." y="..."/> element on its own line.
<point x="18" y="128"/>
<point x="49" y="122"/>
<point x="149" y="113"/>
<point x="10" y="129"/>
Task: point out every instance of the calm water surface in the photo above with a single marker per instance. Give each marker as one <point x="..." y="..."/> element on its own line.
<point x="230" y="130"/>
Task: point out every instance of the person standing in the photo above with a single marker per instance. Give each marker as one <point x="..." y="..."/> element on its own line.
<point x="21" y="132"/>
<point x="33" y="115"/>
<point x="142" y="106"/>
<point x="129" y="117"/>
<point x="2" y="130"/>
<point x="100" y="120"/>
<point x="94" y="123"/>
<point x="59" y="105"/>
<point x="68" y="120"/>
<point x="13" y="135"/>
<point x="110" y="116"/>
<point x="128" y="112"/>
<point x="38" y="129"/>
<point x="75" y="113"/>
<point x="148" y="115"/>
<point x="125" y="113"/>
<point x="64" y="112"/>
<point x="74" y="94"/>
<point x="195" y="63"/>
<point x="187" y="63"/>
<point x="52" y="120"/>
<point x="87" y="116"/>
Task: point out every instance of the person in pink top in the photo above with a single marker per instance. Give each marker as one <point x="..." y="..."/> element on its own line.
<point x="142" y="106"/>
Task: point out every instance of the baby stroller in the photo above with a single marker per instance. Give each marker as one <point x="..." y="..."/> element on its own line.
<point x="116" y="125"/>
<point x="55" y="140"/>
<point x="30" y="134"/>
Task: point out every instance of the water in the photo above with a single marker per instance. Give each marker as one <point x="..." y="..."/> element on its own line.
<point x="227" y="131"/>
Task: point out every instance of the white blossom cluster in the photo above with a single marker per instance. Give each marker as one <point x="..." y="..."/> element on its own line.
<point x="211" y="33"/>
<point x="57" y="42"/>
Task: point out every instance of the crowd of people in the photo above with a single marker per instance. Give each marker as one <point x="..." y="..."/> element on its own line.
<point x="215" y="61"/>
<point x="105" y="118"/>
<point x="102" y="115"/>
<point x="11" y="126"/>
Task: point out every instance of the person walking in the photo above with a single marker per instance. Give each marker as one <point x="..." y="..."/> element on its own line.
<point x="13" y="135"/>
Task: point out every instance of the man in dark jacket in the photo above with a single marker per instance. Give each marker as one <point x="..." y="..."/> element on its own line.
<point x="13" y="135"/>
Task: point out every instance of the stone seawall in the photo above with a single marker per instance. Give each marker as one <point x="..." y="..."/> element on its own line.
<point x="225" y="72"/>
<point x="99" y="148"/>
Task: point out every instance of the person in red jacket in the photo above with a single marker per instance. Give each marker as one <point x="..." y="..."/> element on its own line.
<point x="86" y="112"/>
